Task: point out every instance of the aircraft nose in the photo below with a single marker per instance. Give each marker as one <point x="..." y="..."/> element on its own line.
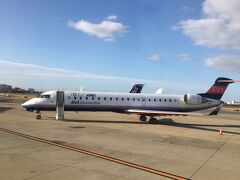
<point x="27" y="104"/>
<point x="24" y="105"/>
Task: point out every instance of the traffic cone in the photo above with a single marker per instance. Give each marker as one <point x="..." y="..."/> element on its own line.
<point x="220" y="132"/>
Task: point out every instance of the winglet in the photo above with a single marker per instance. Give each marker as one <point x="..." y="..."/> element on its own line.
<point x="216" y="110"/>
<point x="159" y="91"/>
<point x="229" y="81"/>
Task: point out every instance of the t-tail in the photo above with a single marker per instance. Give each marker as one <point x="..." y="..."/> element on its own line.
<point x="218" y="88"/>
<point x="137" y="88"/>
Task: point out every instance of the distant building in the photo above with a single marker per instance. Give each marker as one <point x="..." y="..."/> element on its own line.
<point x="233" y="103"/>
<point x="18" y="90"/>
<point x="31" y="90"/>
<point x="5" y="88"/>
<point x="9" y="89"/>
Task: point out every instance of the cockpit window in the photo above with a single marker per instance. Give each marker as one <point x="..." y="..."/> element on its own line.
<point x="44" y="96"/>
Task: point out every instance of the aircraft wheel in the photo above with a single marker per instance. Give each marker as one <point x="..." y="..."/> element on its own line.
<point x="39" y="116"/>
<point x="153" y="121"/>
<point x="142" y="118"/>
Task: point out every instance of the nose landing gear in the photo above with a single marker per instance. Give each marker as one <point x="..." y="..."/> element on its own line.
<point x="38" y="115"/>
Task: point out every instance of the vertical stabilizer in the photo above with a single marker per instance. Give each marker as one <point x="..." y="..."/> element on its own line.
<point x="137" y="88"/>
<point x="217" y="90"/>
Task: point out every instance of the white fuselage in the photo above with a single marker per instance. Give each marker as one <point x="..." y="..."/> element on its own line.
<point x="116" y="102"/>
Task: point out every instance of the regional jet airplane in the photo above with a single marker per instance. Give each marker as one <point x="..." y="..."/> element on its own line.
<point x="145" y="105"/>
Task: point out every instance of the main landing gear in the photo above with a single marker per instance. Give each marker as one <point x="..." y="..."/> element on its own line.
<point x="152" y="120"/>
<point x="142" y="118"/>
<point x="38" y="115"/>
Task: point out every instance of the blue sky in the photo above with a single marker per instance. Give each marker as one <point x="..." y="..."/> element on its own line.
<point x="181" y="46"/>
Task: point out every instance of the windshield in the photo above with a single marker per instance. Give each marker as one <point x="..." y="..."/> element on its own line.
<point x="44" y="96"/>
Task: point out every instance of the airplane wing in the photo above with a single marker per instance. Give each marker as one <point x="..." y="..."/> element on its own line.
<point x="161" y="113"/>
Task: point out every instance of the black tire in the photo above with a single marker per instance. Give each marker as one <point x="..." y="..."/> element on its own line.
<point x="153" y="121"/>
<point x="143" y="118"/>
<point x="38" y="116"/>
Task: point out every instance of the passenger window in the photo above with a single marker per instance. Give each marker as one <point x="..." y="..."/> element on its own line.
<point x="149" y="100"/>
<point x="105" y="98"/>
<point x="116" y="99"/>
<point x="160" y="100"/>
<point x="175" y="100"/>
<point x="154" y="100"/>
<point x="92" y="98"/>
<point x="133" y="99"/>
<point x="75" y="97"/>
<point x="86" y="98"/>
<point x="170" y="100"/>
<point x="165" y="100"/>
<point x="80" y="98"/>
<point x="122" y="99"/>
<point x="110" y="98"/>
<point x="128" y="99"/>
<point x="138" y="99"/>
<point x="99" y="98"/>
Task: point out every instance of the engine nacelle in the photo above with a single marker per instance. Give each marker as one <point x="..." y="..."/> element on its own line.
<point x="194" y="99"/>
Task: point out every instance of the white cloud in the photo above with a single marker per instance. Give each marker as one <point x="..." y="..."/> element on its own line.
<point x="30" y="75"/>
<point x="154" y="57"/>
<point x="187" y="8"/>
<point x="230" y="63"/>
<point x="107" y="29"/>
<point x="218" y="28"/>
<point x="112" y="17"/>
<point x="25" y="70"/>
<point x="184" y="57"/>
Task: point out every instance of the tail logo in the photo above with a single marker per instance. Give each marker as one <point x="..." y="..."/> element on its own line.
<point x="134" y="89"/>
<point x="217" y="90"/>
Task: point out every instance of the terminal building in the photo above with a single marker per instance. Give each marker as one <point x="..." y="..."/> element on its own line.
<point x="9" y="89"/>
<point x="5" y="88"/>
<point x="234" y="103"/>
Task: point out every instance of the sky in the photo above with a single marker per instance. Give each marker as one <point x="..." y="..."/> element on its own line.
<point x="181" y="46"/>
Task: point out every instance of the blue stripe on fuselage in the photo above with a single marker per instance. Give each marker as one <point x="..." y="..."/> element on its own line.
<point x="119" y="108"/>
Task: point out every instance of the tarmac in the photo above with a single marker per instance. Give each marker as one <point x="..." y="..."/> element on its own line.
<point x="182" y="147"/>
